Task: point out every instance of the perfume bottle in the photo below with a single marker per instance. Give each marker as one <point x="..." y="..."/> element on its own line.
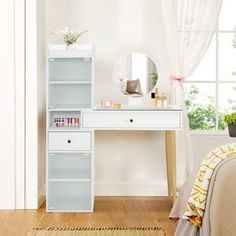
<point x="164" y="101"/>
<point x="153" y="99"/>
<point x="157" y="98"/>
<point x="77" y="121"/>
<point x="73" y="122"/>
<point x="66" y="122"/>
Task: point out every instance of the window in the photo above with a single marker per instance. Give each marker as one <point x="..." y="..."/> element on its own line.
<point x="210" y="92"/>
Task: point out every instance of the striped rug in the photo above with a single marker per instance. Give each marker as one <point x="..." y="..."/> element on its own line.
<point x="98" y="231"/>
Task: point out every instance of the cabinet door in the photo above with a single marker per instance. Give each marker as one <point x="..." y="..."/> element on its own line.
<point x="69" y="196"/>
<point x="70" y="69"/>
<point x="69" y="96"/>
<point x="69" y="166"/>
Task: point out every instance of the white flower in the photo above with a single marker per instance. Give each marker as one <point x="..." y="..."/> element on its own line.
<point x="70" y="37"/>
<point x="62" y="30"/>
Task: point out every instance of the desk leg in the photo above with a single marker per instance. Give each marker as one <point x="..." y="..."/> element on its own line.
<point x="168" y="164"/>
<point x="171" y="163"/>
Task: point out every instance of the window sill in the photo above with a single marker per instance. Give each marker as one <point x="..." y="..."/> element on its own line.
<point x="209" y="132"/>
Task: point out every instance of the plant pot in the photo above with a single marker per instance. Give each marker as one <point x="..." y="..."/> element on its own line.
<point x="232" y="130"/>
<point x="71" y="46"/>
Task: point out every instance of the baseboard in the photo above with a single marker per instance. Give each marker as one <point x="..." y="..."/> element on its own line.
<point x="119" y="189"/>
<point x="130" y="189"/>
<point x="41" y="195"/>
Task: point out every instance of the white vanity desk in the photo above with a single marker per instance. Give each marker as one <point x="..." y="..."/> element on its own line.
<point x="141" y="118"/>
<point x="72" y="121"/>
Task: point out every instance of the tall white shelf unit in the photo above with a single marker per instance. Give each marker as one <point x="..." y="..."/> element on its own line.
<point x="69" y="172"/>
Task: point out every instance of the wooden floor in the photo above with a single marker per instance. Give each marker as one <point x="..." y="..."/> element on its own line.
<point x="109" y="211"/>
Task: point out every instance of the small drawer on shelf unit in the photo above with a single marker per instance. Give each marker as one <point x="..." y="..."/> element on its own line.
<point x="69" y="196"/>
<point x="69" y="141"/>
<point x="69" y="166"/>
<point x="63" y="120"/>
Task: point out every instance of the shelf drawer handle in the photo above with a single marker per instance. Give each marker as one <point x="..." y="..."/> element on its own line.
<point x="131" y="120"/>
<point x="69" y="141"/>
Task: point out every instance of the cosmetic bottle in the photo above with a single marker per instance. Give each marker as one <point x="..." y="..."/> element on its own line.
<point x="77" y="121"/>
<point x="66" y="122"/>
<point x="153" y="99"/>
<point x="54" y="122"/>
<point x="156" y="97"/>
<point x="164" y="101"/>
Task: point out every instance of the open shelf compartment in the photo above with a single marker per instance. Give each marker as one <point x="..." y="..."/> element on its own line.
<point x="64" y="120"/>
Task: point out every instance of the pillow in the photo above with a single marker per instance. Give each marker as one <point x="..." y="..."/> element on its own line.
<point x="132" y="86"/>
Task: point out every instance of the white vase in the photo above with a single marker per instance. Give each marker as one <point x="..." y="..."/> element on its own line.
<point x="71" y="46"/>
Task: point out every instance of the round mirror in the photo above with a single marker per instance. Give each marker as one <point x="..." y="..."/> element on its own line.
<point x="135" y="74"/>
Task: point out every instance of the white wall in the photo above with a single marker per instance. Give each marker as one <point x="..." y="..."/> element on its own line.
<point x="127" y="163"/>
<point x="202" y="144"/>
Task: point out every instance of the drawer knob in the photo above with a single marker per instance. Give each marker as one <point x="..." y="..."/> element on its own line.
<point x="131" y="120"/>
<point x="69" y="141"/>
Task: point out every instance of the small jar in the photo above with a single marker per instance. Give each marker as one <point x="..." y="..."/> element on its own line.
<point x="106" y="104"/>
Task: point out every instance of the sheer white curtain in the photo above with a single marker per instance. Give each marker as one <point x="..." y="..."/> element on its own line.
<point x="189" y="27"/>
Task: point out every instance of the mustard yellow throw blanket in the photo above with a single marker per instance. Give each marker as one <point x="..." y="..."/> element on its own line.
<point x="197" y="201"/>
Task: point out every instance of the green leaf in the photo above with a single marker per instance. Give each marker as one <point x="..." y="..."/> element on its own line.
<point x="230" y="119"/>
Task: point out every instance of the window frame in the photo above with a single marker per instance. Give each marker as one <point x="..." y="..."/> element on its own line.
<point x="216" y="82"/>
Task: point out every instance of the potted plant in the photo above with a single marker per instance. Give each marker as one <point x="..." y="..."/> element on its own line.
<point x="230" y="120"/>
<point x="70" y="36"/>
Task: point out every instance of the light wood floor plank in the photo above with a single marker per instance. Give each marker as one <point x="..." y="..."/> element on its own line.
<point x="109" y="211"/>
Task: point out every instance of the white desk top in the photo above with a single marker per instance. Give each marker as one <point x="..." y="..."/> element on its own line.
<point x="138" y="108"/>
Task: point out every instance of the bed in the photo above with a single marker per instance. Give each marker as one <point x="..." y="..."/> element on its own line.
<point x="219" y="218"/>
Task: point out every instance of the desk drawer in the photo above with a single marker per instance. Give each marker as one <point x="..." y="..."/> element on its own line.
<point x="69" y="141"/>
<point x="159" y="120"/>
